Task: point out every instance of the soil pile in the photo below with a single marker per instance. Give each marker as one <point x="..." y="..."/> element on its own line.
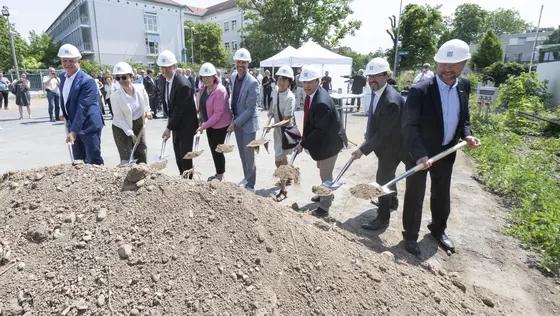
<point x="287" y="172"/>
<point x="90" y="240"/>
<point x="366" y="191"/>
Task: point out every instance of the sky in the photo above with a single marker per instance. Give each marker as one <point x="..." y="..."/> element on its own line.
<point x="39" y="14"/>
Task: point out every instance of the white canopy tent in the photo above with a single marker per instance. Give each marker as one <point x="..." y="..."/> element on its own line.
<point x="279" y="59"/>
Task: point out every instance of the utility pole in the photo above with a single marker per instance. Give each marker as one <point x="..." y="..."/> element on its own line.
<point x="6" y="13"/>
<point x="397" y="41"/>
<point x="536" y="39"/>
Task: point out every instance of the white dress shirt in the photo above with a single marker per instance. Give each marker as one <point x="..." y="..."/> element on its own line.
<point x="451" y="107"/>
<point x="67" y="86"/>
<point x="135" y="107"/>
<point x="167" y="89"/>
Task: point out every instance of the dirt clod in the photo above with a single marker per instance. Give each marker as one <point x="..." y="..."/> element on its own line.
<point x="193" y="154"/>
<point x="125" y="251"/>
<point x="321" y="190"/>
<point x="287" y="172"/>
<point x="223" y="148"/>
<point x="137" y="173"/>
<point x="366" y="191"/>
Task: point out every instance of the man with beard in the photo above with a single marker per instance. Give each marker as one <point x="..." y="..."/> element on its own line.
<point x="178" y="98"/>
<point x="435" y="117"/>
<point x="245" y="90"/>
<point x="383" y="136"/>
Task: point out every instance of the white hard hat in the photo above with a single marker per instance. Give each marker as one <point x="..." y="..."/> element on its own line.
<point x="453" y="51"/>
<point x="166" y="59"/>
<point x="122" y="68"/>
<point x="69" y="51"/>
<point x="242" y="54"/>
<point x="376" y="66"/>
<point x="285" y="71"/>
<point x="309" y="73"/>
<point x="207" y="69"/>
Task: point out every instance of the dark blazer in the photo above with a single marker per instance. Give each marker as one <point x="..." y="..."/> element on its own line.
<point x="323" y="131"/>
<point x="384" y="132"/>
<point x="182" y="109"/>
<point x="82" y="110"/>
<point x="160" y="86"/>
<point x="422" y="120"/>
<point x="150" y="86"/>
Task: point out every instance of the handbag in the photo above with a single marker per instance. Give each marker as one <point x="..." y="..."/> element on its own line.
<point x="291" y="136"/>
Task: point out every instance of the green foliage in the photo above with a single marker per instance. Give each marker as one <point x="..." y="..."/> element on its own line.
<point x="526" y="175"/>
<point x="488" y="51"/>
<point x="468" y="23"/>
<point x="359" y="61"/>
<point x="32" y="65"/>
<point x="90" y="66"/>
<point x="43" y="49"/>
<point x="498" y="72"/>
<point x="421" y="27"/>
<point x="505" y="21"/>
<point x="6" y="57"/>
<point x="474" y="79"/>
<point x="208" y="47"/>
<point x="280" y="23"/>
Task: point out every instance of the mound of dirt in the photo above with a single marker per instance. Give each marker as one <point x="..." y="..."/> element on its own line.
<point x="223" y="148"/>
<point x="287" y="172"/>
<point x="84" y="240"/>
<point x="365" y="191"/>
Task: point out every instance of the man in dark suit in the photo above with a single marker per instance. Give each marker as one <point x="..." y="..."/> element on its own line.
<point x="323" y="132"/>
<point x="435" y="117"/>
<point x="151" y="89"/>
<point x="160" y="87"/>
<point x="358" y="84"/>
<point x="79" y="103"/>
<point x="178" y="98"/>
<point x="383" y="136"/>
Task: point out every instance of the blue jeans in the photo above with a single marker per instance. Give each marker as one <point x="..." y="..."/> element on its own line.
<point x="54" y="102"/>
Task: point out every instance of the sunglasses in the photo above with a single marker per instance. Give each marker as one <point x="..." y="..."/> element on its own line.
<point x="123" y="78"/>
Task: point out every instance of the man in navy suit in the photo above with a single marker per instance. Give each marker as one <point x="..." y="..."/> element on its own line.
<point x="245" y="89"/>
<point x="434" y="118"/>
<point x="79" y="94"/>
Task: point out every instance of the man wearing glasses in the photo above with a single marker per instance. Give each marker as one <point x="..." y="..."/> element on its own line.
<point x="80" y="107"/>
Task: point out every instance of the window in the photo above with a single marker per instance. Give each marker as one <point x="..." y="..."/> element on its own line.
<point x="152" y="45"/>
<point x="233" y="46"/>
<point x="226" y="45"/>
<point x="233" y="25"/>
<point x="150" y="22"/>
<point x="226" y="26"/>
<point x="521" y="40"/>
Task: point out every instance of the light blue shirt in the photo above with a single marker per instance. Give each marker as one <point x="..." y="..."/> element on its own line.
<point x="451" y="107"/>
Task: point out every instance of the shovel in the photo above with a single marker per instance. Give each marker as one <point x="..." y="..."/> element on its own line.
<point x="255" y="144"/>
<point x="294" y="155"/>
<point x="131" y="159"/>
<point x="375" y="190"/>
<point x="71" y="153"/>
<point x="225" y="148"/>
<point x="161" y="162"/>
<point x="196" y="152"/>
<point x="326" y="188"/>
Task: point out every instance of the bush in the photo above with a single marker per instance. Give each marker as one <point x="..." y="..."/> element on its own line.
<point x="474" y="79"/>
<point x="526" y="174"/>
<point x="499" y="72"/>
<point x="489" y="51"/>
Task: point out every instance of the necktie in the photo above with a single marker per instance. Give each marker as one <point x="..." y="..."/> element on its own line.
<point x="305" y="111"/>
<point x="167" y="93"/>
<point x="370" y="116"/>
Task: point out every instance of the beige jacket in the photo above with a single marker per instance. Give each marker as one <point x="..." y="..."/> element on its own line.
<point x="122" y="112"/>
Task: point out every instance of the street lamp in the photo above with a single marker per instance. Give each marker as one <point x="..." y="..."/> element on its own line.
<point x="192" y="42"/>
<point x="6" y="13"/>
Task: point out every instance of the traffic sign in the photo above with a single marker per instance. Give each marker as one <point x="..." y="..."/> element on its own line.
<point x="403" y="53"/>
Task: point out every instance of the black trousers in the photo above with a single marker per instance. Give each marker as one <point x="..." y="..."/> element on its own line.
<point x="182" y="144"/>
<point x="440" y="200"/>
<point x="386" y="168"/>
<point x="108" y="101"/>
<point x="5" y="95"/>
<point x="267" y="97"/>
<point x="359" y="99"/>
<point x="153" y="104"/>
<point x="216" y="137"/>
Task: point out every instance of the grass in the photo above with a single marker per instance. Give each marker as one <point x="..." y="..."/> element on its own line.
<point x="525" y="171"/>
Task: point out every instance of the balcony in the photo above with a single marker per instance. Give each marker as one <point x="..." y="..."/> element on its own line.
<point x="84" y="20"/>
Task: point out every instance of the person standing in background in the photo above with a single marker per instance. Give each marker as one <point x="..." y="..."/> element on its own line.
<point x="425" y="75"/>
<point x="150" y="87"/>
<point x="267" y="89"/>
<point x="358" y="84"/>
<point x="326" y="82"/>
<point x="52" y="87"/>
<point x="299" y="92"/>
<point x="23" y="98"/>
<point x="4" y="90"/>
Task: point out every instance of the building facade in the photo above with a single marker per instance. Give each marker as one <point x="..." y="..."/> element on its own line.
<point x="518" y="47"/>
<point x="109" y="31"/>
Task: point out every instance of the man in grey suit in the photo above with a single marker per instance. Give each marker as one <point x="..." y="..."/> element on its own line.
<point x="245" y="89"/>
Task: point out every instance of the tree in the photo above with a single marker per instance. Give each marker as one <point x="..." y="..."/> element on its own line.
<point x="42" y="48"/>
<point x="499" y="72"/>
<point x="359" y="61"/>
<point x="279" y="23"/>
<point x="207" y="43"/>
<point x="421" y="27"/>
<point x="554" y="38"/>
<point x="489" y="51"/>
<point x="6" y="58"/>
<point x="505" y="21"/>
<point x="468" y="22"/>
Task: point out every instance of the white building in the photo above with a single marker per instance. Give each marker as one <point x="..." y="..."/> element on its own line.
<point x="109" y="31"/>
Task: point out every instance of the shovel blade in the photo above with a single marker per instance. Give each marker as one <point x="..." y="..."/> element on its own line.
<point x="332" y="185"/>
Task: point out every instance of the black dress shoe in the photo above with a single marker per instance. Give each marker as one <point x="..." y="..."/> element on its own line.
<point x="316" y="199"/>
<point x="444" y="241"/>
<point x="319" y="212"/>
<point x="376" y="224"/>
<point x="412" y="247"/>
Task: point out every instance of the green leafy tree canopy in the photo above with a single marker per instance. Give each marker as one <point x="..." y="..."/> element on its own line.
<point x="489" y="51"/>
<point x="505" y="21"/>
<point x="42" y="48"/>
<point x="279" y="23"/>
<point x="468" y="22"/>
<point x="359" y="61"/>
<point x="208" y="47"/>
<point x="6" y="58"/>
<point x="499" y="72"/>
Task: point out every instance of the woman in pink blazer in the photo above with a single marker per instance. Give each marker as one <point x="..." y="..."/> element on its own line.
<point x="215" y="115"/>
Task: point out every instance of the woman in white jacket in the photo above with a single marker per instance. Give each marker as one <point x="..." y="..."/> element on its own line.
<point x="130" y="106"/>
